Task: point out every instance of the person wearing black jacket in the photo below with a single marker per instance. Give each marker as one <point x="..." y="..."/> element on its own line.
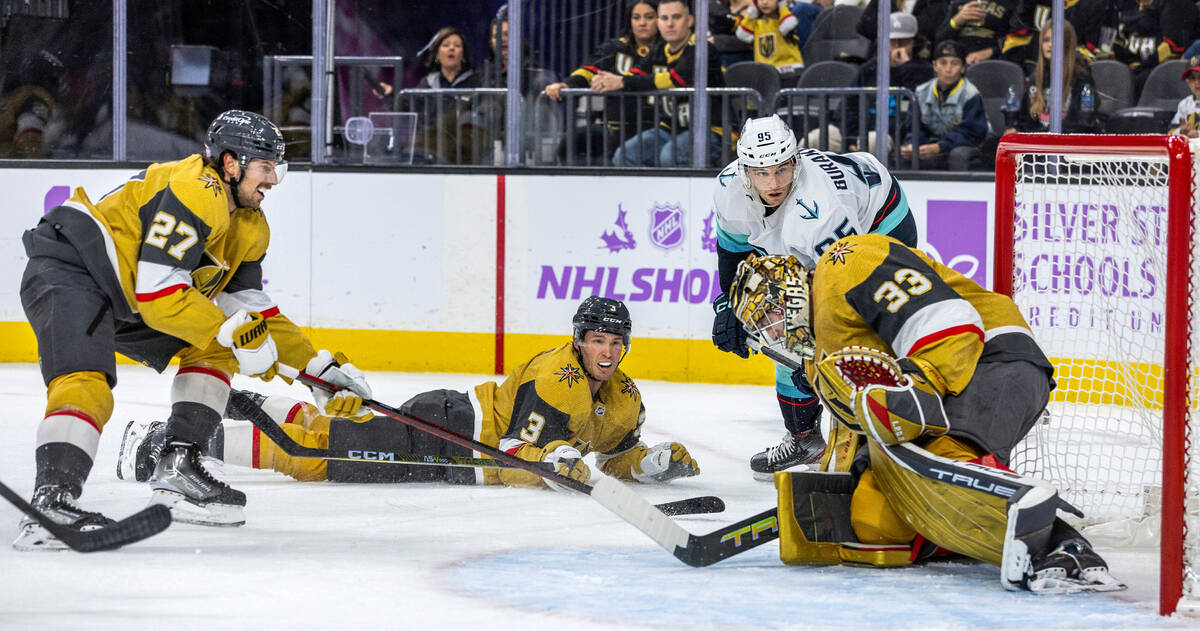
<point x="619" y="55"/>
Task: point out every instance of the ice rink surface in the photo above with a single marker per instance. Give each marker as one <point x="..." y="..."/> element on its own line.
<point x="325" y="555"/>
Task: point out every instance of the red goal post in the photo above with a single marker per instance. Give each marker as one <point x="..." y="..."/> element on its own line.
<point x="1095" y="239"/>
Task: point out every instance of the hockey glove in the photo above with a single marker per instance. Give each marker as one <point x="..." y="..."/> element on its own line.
<point x="247" y="336"/>
<point x="888" y="404"/>
<point x="665" y="462"/>
<point x="337" y="370"/>
<point x="567" y="461"/>
<point x="728" y="333"/>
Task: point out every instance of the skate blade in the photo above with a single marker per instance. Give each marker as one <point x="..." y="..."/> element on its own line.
<point x="34" y="537"/>
<point x="185" y="511"/>
<point x="126" y="469"/>
<point x="770" y="477"/>
<point x="1055" y="586"/>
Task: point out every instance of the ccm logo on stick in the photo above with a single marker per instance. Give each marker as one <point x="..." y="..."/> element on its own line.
<point x="372" y="455"/>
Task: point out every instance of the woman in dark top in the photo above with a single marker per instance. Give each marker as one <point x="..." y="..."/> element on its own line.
<point x="1035" y="108"/>
<point x="445" y="136"/>
<point x="618" y="56"/>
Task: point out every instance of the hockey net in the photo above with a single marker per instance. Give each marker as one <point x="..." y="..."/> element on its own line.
<point x="1095" y="240"/>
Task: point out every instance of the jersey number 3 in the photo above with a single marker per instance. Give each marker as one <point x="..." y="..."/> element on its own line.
<point x="165" y="224"/>
<point x="534" y="428"/>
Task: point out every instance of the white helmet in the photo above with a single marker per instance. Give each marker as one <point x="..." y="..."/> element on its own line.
<point x="765" y="142"/>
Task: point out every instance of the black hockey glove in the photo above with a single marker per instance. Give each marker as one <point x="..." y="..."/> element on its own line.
<point x="728" y="334"/>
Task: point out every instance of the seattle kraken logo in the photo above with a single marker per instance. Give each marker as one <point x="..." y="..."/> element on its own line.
<point x="810" y="213"/>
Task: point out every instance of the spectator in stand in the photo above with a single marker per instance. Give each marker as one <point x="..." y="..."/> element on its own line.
<point x="723" y="16"/>
<point x="1035" y="108"/>
<point x="1095" y="23"/>
<point x="619" y="56"/>
<point x="1187" y="115"/>
<point x="930" y="15"/>
<point x="906" y="70"/>
<point x="1151" y="32"/>
<point x="953" y="121"/>
<point x="770" y="28"/>
<point x="445" y="136"/>
<point x="449" y="62"/>
<point x="980" y="26"/>
<point x="670" y="65"/>
<point x="806" y="15"/>
<point x="27" y="103"/>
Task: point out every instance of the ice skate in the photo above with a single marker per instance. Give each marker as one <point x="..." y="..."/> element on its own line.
<point x="184" y="485"/>
<point x="140" y="446"/>
<point x="57" y="503"/>
<point x="794" y="451"/>
<point x="1072" y="567"/>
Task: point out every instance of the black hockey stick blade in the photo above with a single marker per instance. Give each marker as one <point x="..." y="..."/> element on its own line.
<point x="694" y="550"/>
<point x="266" y="425"/>
<point x="140" y="525"/>
<point x="693" y="506"/>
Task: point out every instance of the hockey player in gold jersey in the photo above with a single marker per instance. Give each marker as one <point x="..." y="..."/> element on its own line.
<point x="559" y="406"/>
<point x="932" y="381"/>
<point x="168" y="264"/>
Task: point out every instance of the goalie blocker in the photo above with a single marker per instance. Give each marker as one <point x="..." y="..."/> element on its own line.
<point x="956" y="382"/>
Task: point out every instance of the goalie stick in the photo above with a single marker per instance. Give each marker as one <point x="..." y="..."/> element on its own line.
<point x="140" y="525"/>
<point x="499" y="459"/>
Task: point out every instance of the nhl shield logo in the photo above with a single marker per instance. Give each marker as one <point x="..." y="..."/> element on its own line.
<point x="666" y="225"/>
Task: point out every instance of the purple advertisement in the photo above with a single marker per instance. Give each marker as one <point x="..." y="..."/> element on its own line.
<point x="956" y="234"/>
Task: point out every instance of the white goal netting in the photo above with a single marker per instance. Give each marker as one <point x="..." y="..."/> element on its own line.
<point x="1090" y="273"/>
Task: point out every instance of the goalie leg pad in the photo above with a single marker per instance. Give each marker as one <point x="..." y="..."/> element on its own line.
<point x="960" y="506"/>
<point x="872" y="516"/>
<point x="815" y="526"/>
<point x="303" y="469"/>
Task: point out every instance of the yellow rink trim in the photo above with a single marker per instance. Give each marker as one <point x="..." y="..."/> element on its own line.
<point x="436" y="351"/>
<point x="1098" y="382"/>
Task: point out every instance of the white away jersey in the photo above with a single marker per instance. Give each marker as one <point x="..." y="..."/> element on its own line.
<point x="834" y="196"/>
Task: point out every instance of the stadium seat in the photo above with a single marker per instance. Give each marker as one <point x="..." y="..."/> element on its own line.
<point x="834" y="37"/>
<point x="1164" y="89"/>
<point x="755" y="75"/>
<point x="1114" y="86"/>
<point x="992" y="78"/>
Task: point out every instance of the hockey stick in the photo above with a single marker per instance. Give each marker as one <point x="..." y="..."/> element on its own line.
<point x="140" y="525"/>
<point x="690" y="506"/>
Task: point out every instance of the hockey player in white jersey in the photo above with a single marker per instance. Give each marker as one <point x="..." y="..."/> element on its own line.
<point x="777" y="199"/>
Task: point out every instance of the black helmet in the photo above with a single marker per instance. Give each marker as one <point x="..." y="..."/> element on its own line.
<point x="247" y="134"/>
<point x="605" y="315"/>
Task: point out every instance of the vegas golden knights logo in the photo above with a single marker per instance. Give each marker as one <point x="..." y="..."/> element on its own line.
<point x="208" y="276"/>
<point x="766" y="46"/>
<point x="624" y="63"/>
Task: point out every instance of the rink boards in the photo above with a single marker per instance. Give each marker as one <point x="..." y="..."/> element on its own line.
<point x="401" y="270"/>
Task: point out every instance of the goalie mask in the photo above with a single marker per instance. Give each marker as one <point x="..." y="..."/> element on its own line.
<point x="770" y="298"/>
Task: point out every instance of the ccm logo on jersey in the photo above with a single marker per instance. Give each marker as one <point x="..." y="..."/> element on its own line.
<point x="971" y="482"/>
<point x="381" y="456"/>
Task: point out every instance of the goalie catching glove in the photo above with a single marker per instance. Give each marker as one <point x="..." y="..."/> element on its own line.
<point x="567" y="461"/>
<point x="869" y="391"/>
<point x="246" y="334"/>
<point x="337" y="370"/>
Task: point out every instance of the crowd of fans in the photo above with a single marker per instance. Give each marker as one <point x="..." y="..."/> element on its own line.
<point x="933" y="45"/>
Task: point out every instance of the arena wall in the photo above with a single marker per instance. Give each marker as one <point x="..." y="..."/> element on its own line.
<point x="399" y="270"/>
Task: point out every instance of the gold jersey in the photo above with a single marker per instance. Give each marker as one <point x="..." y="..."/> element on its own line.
<point x="771" y="46"/>
<point x="871" y="290"/>
<point x="548" y="399"/>
<point x="182" y="259"/>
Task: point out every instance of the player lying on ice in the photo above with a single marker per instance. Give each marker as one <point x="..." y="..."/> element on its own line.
<point x="168" y="264"/>
<point x="932" y="380"/>
<point x="555" y="408"/>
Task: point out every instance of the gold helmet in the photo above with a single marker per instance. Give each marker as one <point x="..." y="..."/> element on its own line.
<point x="770" y="298"/>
